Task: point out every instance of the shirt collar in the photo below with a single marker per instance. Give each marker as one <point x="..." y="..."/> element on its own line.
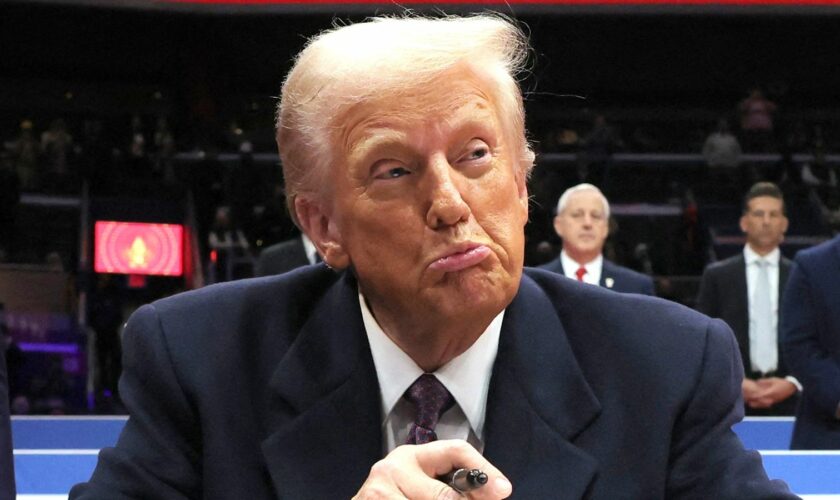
<point x="309" y="248"/>
<point x="467" y="376"/>
<point x="772" y="258"/>
<point x="570" y="265"/>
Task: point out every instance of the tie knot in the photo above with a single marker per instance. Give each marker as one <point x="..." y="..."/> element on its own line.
<point x="580" y="272"/>
<point x="762" y="263"/>
<point x="431" y="399"/>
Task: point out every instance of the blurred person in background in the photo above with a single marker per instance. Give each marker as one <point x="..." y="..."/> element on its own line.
<point x="105" y="316"/>
<point x="582" y="222"/>
<point x="757" y="115"/>
<point x="26" y="151"/>
<point x="287" y="255"/>
<point x="721" y="149"/>
<point x="57" y="148"/>
<point x="746" y="291"/>
<point x="9" y="200"/>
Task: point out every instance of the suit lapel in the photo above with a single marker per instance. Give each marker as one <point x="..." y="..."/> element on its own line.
<point x="739" y="293"/>
<point x="324" y="422"/>
<point x="607" y="278"/>
<point x="538" y="403"/>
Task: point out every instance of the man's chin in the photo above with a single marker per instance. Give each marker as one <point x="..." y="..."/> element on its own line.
<point x="477" y="287"/>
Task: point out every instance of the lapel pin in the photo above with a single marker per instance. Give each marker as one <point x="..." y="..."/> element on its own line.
<point x="609" y="282"/>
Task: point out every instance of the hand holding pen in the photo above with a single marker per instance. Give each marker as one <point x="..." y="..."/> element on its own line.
<point x="440" y="470"/>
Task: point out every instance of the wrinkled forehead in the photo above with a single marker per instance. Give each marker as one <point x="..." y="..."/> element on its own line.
<point x="441" y="108"/>
<point x="455" y="94"/>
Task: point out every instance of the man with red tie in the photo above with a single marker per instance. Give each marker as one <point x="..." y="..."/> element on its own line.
<point x="582" y="221"/>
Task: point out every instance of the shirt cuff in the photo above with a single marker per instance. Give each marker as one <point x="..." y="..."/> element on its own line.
<point x="792" y="380"/>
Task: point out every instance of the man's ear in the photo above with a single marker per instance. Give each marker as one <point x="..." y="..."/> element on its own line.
<point x="558" y="226"/>
<point x="317" y="222"/>
<point x="742" y="222"/>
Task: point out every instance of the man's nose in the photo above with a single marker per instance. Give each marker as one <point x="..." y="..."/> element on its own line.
<point x="446" y="205"/>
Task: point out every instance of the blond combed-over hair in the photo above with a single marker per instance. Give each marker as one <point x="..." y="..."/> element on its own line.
<point x="386" y="57"/>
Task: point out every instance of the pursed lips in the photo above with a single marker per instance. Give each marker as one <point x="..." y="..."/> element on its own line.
<point x="460" y="256"/>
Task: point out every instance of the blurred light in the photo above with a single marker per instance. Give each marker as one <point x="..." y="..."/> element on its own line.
<point x="138" y="248"/>
<point x="68" y="95"/>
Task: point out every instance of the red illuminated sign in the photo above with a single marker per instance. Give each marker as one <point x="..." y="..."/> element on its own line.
<point x="138" y="248"/>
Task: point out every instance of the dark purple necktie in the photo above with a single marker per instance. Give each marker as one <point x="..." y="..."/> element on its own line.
<point x="431" y="399"/>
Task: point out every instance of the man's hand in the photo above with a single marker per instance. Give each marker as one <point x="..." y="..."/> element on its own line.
<point x="410" y="471"/>
<point x="765" y="392"/>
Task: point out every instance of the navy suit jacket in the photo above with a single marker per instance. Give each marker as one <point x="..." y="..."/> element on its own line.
<point x="811" y="339"/>
<point x="7" y="471"/>
<point x="266" y="388"/>
<point x="614" y="277"/>
<point x="282" y="257"/>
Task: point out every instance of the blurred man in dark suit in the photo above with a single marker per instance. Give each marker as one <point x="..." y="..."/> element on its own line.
<point x="7" y="472"/>
<point x="287" y="255"/>
<point x="811" y="342"/>
<point x="582" y="221"/>
<point x="746" y="290"/>
<point x="423" y="345"/>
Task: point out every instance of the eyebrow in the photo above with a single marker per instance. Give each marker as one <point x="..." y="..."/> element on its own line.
<point x="374" y="140"/>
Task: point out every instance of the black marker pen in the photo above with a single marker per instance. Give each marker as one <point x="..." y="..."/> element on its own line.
<point x="464" y="480"/>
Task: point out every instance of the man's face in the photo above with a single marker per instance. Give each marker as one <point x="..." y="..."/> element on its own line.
<point x="764" y="223"/>
<point x="583" y="225"/>
<point x="427" y="204"/>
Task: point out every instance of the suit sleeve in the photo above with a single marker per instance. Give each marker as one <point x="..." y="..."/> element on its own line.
<point x="7" y="486"/>
<point x="708" y="459"/>
<point x="808" y="361"/>
<point x="707" y="296"/>
<point x="158" y="453"/>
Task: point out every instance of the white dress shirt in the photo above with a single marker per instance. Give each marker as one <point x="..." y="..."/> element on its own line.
<point x="593" y="268"/>
<point x="467" y="377"/>
<point x="772" y="258"/>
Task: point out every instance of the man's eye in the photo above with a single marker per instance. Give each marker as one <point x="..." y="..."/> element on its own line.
<point x="475" y="150"/>
<point x="393" y="173"/>
<point x="478" y="153"/>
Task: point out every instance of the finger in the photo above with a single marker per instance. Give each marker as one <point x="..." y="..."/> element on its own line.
<point x="440" y="457"/>
<point x="764" y="403"/>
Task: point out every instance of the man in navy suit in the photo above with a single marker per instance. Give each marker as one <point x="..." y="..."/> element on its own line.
<point x="582" y="221"/>
<point x="811" y="341"/>
<point x="735" y="291"/>
<point x="404" y="151"/>
<point x="287" y="255"/>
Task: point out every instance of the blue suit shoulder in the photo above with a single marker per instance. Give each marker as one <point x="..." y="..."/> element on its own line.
<point x="819" y="253"/>
<point x="237" y="316"/>
<point x="645" y="328"/>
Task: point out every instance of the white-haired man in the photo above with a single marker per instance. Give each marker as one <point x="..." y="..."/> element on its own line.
<point x="582" y="221"/>
<point x="405" y="157"/>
